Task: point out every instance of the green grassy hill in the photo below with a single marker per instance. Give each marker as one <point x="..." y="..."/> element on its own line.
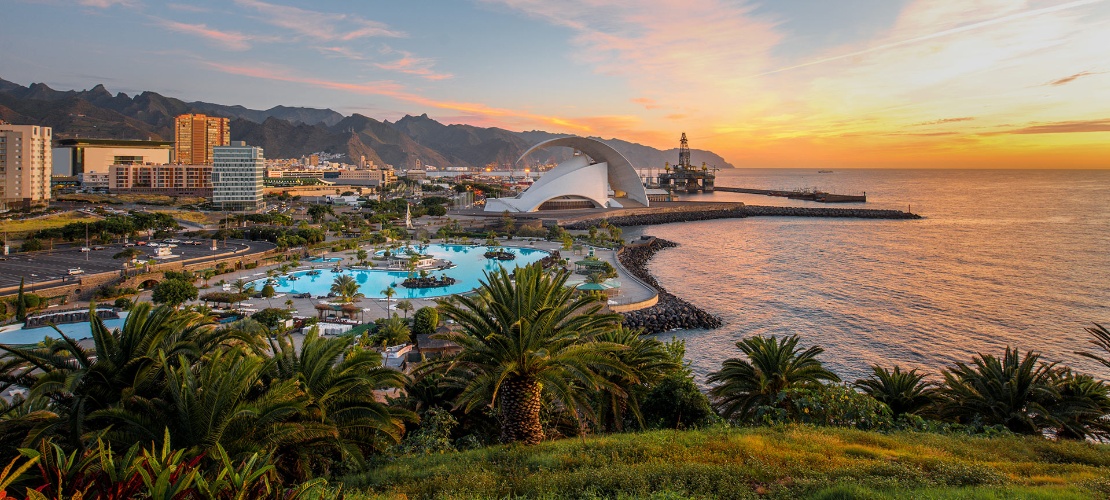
<point x="789" y="462"/>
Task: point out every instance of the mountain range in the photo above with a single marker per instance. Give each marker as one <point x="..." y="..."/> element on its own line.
<point x="293" y="132"/>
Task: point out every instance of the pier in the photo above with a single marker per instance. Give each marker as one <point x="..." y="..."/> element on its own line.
<point x="801" y="194"/>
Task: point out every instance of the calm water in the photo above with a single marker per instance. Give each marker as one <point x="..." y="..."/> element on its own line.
<point x="471" y="267"/>
<point x="1018" y="258"/>
<point x="72" y="330"/>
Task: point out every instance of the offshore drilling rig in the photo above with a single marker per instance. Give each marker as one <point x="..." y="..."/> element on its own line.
<point x="683" y="177"/>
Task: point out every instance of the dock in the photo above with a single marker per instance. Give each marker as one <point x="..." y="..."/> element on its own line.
<point x="802" y="194"/>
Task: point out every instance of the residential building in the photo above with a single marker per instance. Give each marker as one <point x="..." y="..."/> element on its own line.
<point x="237" y="172"/>
<point x="365" y="177"/>
<point x="25" y="165"/>
<point x="93" y="180"/>
<point x="195" y="137"/>
<point x="167" y="179"/>
<point x="79" y="156"/>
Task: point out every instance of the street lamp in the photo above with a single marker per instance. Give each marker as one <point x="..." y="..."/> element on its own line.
<point x="33" y="276"/>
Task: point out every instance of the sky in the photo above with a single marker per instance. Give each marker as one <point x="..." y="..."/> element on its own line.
<point x="788" y="83"/>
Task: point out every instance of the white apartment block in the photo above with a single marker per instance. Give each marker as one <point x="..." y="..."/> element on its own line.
<point x="26" y="162"/>
<point x="237" y="175"/>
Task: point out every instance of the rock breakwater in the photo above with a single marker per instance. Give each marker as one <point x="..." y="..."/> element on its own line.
<point x="670" y="312"/>
<point x="665" y="216"/>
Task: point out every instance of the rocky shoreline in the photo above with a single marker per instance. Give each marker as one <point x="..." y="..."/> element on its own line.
<point x="670" y="312"/>
<point x="669" y="217"/>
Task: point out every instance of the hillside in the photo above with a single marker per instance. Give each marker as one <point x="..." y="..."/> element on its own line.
<point x="785" y="462"/>
<point x="289" y="132"/>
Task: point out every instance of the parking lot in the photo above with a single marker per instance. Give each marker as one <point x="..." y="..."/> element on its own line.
<point x="50" y="268"/>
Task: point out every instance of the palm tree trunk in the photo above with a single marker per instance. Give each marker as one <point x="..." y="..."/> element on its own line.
<point x="520" y="411"/>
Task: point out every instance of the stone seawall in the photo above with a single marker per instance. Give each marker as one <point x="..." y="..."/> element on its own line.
<point x="672" y="216"/>
<point x="670" y="312"/>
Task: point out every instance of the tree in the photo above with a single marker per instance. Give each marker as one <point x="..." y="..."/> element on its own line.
<point x="268" y="291"/>
<point x="174" y="292"/>
<point x="1102" y="341"/>
<point x="1012" y="391"/>
<point x="903" y="392"/>
<point x="405" y="306"/>
<point x="31" y="245"/>
<point x="272" y="318"/>
<point x="289" y="304"/>
<point x="346" y="288"/>
<point x="525" y="339"/>
<point x="507" y="222"/>
<point x="646" y="362"/>
<point x="773" y="366"/>
<point x="319" y="212"/>
<point x="128" y="253"/>
<point x="392" y="331"/>
<point x="425" y="321"/>
<point x="208" y="274"/>
<point x="362" y="255"/>
<point x="389" y="292"/>
<point x="1081" y="409"/>
<point x="20" y="303"/>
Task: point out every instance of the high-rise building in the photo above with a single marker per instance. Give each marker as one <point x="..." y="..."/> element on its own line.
<point x="195" y="136"/>
<point x="25" y="164"/>
<point x="237" y="172"/>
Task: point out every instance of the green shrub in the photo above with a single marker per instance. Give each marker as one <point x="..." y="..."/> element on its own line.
<point x="425" y="321"/>
<point x="676" y="402"/>
<point x="828" y="405"/>
<point x="31" y="245"/>
<point x="123" y="303"/>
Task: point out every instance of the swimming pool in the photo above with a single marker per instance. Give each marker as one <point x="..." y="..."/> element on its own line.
<point x="76" y="331"/>
<point x="470" y="261"/>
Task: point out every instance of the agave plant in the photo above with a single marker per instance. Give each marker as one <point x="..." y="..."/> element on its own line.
<point x="773" y="366"/>
<point x="1012" y="391"/>
<point x="904" y="392"/>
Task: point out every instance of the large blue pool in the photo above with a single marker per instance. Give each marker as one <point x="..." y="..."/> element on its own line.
<point x="470" y="263"/>
<point x="72" y="330"/>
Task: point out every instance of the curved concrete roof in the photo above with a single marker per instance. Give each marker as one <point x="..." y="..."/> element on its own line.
<point x="622" y="176"/>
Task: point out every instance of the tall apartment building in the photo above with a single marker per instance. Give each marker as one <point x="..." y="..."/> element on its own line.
<point x="170" y="180"/>
<point x="196" y="135"/>
<point x="237" y="172"/>
<point x="25" y="165"/>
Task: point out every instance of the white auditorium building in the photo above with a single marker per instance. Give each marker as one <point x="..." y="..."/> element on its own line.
<point x="599" y="177"/>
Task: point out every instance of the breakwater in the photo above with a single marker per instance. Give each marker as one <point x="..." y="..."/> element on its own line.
<point x="665" y="216"/>
<point x="670" y="312"/>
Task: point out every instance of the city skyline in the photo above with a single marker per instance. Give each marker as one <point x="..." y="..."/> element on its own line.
<point x="987" y="83"/>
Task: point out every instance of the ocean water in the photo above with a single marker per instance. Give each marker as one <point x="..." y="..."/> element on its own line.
<point x="1002" y="258"/>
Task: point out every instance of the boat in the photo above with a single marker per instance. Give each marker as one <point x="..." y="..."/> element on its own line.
<point x="824" y="171"/>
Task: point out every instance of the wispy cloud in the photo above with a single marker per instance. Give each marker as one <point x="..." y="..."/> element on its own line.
<point x="397" y="91"/>
<point x="413" y="65"/>
<point x="226" y="39"/>
<point x="944" y="120"/>
<point x="1069" y="79"/>
<point x="104" y="4"/>
<point x="325" y="26"/>
<point x="646" y="102"/>
<point x="1066" y="127"/>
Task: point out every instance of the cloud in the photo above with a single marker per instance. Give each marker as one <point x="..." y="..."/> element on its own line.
<point x="105" y="4"/>
<point x="323" y="26"/>
<point x="647" y="103"/>
<point x="945" y="120"/>
<point x="412" y="65"/>
<point x="1065" y="127"/>
<point x="1069" y="79"/>
<point x="226" y="39"/>
<point x="397" y="91"/>
<point x="188" y="8"/>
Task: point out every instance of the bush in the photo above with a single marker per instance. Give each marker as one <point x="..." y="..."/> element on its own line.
<point x="273" y="318"/>
<point x="124" y="303"/>
<point x="676" y="402"/>
<point x="31" y="300"/>
<point x="31" y="245"/>
<point x="268" y="291"/>
<point x="425" y="321"/>
<point x="829" y="405"/>
<point x="173" y="292"/>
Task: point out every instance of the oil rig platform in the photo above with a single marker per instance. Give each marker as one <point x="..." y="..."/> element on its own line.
<point x="683" y="177"/>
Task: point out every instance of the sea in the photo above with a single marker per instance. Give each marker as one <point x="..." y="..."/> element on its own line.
<point x="1001" y="258"/>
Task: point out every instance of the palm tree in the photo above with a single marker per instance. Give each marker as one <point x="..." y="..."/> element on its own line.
<point x="903" y="392"/>
<point x="340" y="383"/>
<point x="207" y="275"/>
<point x="362" y="255"/>
<point x="346" y="288"/>
<point x="289" y="304"/>
<point x="647" y="361"/>
<point x="773" y="366"/>
<point x="406" y="307"/>
<point x="524" y="339"/>
<point x="1082" y="407"/>
<point x="1102" y="341"/>
<point x="1011" y="391"/>
<point x="389" y="292"/>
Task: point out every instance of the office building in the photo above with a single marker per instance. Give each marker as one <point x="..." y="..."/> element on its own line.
<point x="25" y="164"/>
<point x="88" y="156"/>
<point x="195" y="136"/>
<point x="169" y="180"/>
<point x="237" y="172"/>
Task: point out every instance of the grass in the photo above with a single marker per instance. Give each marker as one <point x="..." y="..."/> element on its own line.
<point x="790" y="462"/>
<point x="46" y="222"/>
<point x="118" y="199"/>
